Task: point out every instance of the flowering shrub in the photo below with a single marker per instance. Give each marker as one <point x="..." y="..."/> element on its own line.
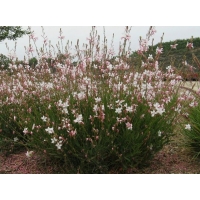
<point x="97" y="116"/>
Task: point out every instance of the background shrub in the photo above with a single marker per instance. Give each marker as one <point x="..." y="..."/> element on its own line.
<point x="4" y="62"/>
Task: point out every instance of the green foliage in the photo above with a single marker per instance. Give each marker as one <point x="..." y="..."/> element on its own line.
<point x="4" y="62"/>
<point x="11" y="32"/>
<point x="33" y="62"/>
<point x="174" y="57"/>
<point x="192" y="137"/>
<point x="8" y="128"/>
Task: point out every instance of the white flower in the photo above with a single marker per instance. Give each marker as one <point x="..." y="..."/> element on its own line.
<point x="159" y="133"/>
<point x="79" y="119"/>
<point x="129" y="109"/>
<point x="60" y="103"/>
<point x="49" y="130"/>
<point x="15" y="139"/>
<point x="169" y="67"/>
<point x="44" y="119"/>
<point x="159" y="50"/>
<point x="188" y="127"/>
<point x="59" y="145"/>
<point x="119" y="120"/>
<point x="192" y="104"/>
<point x="189" y="45"/>
<point x="87" y="80"/>
<point x="124" y="87"/>
<point x="185" y="63"/>
<point x="81" y="95"/>
<point x="95" y="108"/>
<point x="53" y="140"/>
<point x="33" y="126"/>
<point x="29" y="154"/>
<point x="150" y="57"/>
<point x="95" y="66"/>
<point x="178" y="108"/>
<point x="172" y="82"/>
<point x="25" y="130"/>
<point x="156" y="105"/>
<point x="118" y="110"/>
<point x="119" y="101"/>
<point x="129" y="126"/>
<point x="110" y="67"/>
<point x="117" y="59"/>
<point x="153" y="113"/>
<point x="97" y="100"/>
<point x="65" y="111"/>
<point x="143" y="64"/>
<point x="159" y="109"/>
<point x="65" y="104"/>
<point x="173" y="46"/>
